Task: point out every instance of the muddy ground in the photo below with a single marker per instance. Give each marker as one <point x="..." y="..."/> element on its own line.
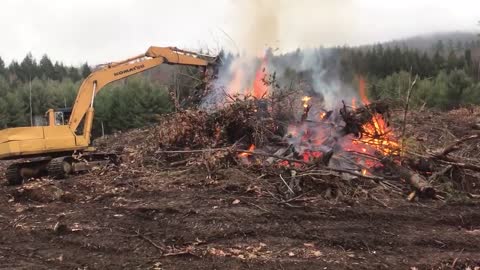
<point x="185" y="221"/>
<point x="182" y="219"/>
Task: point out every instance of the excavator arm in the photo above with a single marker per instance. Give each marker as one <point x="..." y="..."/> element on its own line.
<point x="111" y="72"/>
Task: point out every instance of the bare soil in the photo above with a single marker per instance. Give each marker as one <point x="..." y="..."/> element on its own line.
<point x="181" y="220"/>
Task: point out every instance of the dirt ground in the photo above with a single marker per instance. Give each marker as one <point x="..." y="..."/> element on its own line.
<point x="178" y="220"/>
<point x="183" y="219"/>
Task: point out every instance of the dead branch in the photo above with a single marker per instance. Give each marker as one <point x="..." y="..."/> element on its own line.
<point x="376" y="178"/>
<point x="404" y="125"/>
<point x="150" y="241"/>
<point x="414" y="179"/>
<point x="183" y="252"/>
<point x="286" y="184"/>
<point x="329" y="170"/>
<point x="178" y="163"/>
<point x="434" y="177"/>
<point x="192" y="151"/>
<point x="274" y="156"/>
<point x="364" y="155"/>
<point x="454" y="146"/>
<point x="462" y="165"/>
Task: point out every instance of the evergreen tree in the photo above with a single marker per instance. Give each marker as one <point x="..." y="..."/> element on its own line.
<point x="3" y="71"/>
<point x="439" y="47"/>
<point x="450" y="45"/>
<point x="458" y="82"/>
<point x="14" y="72"/>
<point x="17" y="110"/>
<point x="60" y="71"/>
<point x="85" y="70"/>
<point x="438" y="62"/>
<point x="3" y="113"/>
<point x="73" y="74"/>
<point x="451" y="61"/>
<point x="46" y="68"/>
<point x="28" y="68"/>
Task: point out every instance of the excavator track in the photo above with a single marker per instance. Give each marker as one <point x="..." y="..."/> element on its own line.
<point x="18" y="172"/>
<point x="59" y="168"/>
<point x="12" y="174"/>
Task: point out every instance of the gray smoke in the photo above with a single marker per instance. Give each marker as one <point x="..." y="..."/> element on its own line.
<point x="283" y="24"/>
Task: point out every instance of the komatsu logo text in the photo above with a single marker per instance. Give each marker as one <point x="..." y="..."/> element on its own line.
<point x="128" y="70"/>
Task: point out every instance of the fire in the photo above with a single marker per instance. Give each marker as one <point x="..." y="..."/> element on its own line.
<point x="235" y="85"/>
<point x="379" y="136"/>
<point x="362" y="90"/>
<point x="246" y="154"/>
<point x="306" y="100"/>
<point x="309" y="156"/>
<point x="376" y="133"/>
<point x="259" y="89"/>
<point x="376" y="137"/>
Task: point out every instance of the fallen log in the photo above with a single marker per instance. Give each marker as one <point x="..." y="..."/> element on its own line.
<point x="415" y="180"/>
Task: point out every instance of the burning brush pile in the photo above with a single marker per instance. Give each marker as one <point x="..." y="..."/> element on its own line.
<point x="288" y="137"/>
<point x="291" y="139"/>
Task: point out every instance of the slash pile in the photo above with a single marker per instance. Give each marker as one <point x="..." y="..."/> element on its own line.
<point x="333" y="153"/>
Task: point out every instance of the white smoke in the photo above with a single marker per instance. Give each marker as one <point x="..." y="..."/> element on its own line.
<point x="262" y="24"/>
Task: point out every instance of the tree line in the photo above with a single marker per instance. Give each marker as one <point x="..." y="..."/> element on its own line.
<point x="131" y="103"/>
<point x="448" y="78"/>
<point x="28" y="69"/>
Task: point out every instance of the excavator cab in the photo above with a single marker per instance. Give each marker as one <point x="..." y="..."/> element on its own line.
<point x="58" y="117"/>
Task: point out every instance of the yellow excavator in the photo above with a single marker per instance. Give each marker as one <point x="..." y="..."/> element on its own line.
<point x="63" y="147"/>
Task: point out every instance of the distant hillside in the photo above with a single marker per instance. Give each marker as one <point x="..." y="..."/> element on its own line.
<point x="458" y="41"/>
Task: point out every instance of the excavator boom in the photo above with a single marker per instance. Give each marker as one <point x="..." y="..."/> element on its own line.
<point x="111" y="72"/>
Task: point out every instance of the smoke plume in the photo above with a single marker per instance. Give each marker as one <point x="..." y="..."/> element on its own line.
<point x="283" y="26"/>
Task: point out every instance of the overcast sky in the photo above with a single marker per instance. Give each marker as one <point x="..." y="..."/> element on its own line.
<point x="97" y="31"/>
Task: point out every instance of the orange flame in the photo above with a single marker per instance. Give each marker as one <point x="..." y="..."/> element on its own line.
<point x="259" y="89"/>
<point x="311" y="155"/>
<point x="235" y="85"/>
<point x="376" y="132"/>
<point x="379" y="136"/>
<point x="362" y="90"/>
<point x="376" y="137"/>
<point x="245" y="154"/>
<point x="306" y="100"/>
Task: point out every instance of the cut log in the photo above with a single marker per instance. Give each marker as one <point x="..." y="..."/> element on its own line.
<point x="414" y="179"/>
